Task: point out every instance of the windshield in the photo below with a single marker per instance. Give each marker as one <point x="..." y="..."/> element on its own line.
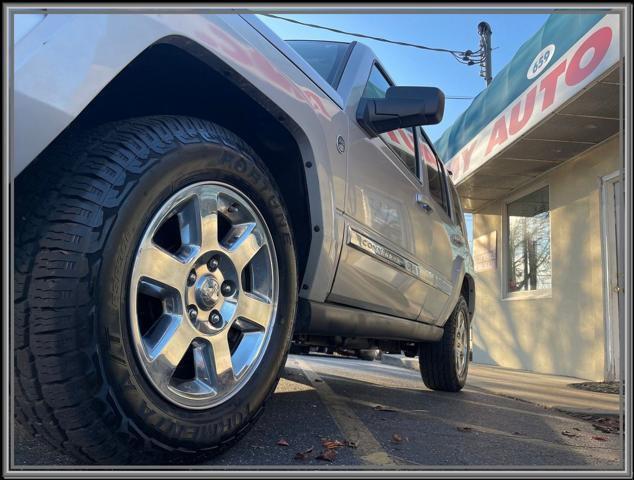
<point x="327" y="58"/>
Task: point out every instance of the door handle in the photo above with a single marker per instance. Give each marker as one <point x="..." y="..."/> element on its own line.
<point x="424" y="205"/>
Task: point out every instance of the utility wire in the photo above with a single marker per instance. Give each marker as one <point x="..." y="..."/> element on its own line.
<point x="461" y="56"/>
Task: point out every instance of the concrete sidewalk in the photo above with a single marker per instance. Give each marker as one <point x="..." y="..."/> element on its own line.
<point x="550" y="391"/>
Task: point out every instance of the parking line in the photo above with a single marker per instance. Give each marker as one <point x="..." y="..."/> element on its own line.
<point x="368" y="448"/>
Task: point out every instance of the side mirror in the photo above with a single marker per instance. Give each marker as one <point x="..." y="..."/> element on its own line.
<point x="402" y="107"/>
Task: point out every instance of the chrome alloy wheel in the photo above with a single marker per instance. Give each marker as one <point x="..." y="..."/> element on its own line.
<point x="203" y="295"/>
<point x="461" y="346"/>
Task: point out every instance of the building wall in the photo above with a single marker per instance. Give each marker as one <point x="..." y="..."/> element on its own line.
<point x="563" y="334"/>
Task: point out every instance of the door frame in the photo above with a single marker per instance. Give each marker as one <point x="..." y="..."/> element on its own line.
<point x="611" y="314"/>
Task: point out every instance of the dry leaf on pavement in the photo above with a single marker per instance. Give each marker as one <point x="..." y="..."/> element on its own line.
<point x="303" y="455"/>
<point x="396" y="438"/>
<point x="328" y="455"/>
<point x="330" y="444"/>
<point x="282" y="443"/>
<point x="599" y="439"/>
<point x="569" y="434"/>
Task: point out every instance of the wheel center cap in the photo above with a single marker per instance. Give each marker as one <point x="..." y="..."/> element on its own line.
<point x="207" y="292"/>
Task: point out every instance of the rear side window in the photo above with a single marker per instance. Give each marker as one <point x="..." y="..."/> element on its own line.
<point x="457" y="211"/>
<point x="327" y="58"/>
<point x="435" y="173"/>
<point x="400" y="141"/>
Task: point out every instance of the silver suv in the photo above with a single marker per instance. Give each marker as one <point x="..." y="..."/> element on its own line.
<point x="192" y="194"/>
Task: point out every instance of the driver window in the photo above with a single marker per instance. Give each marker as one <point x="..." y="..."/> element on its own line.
<point x="400" y="141"/>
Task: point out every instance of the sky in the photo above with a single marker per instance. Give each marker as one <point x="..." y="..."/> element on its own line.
<point x="410" y="66"/>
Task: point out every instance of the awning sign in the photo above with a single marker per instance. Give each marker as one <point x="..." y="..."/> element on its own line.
<point x="592" y="55"/>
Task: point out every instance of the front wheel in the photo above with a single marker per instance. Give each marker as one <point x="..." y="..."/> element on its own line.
<point x="444" y="365"/>
<point x="156" y="289"/>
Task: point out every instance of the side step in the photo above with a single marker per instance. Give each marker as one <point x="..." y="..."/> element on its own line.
<point x="332" y="319"/>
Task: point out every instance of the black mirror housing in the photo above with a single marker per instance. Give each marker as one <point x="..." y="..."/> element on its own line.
<point x="402" y="107"/>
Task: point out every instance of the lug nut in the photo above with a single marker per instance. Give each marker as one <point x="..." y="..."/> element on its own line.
<point x="215" y="318"/>
<point x="227" y="288"/>
<point x="213" y="264"/>
<point x="192" y="311"/>
<point x="191" y="279"/>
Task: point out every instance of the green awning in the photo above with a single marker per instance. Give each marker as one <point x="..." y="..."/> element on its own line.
<point x="562" y="30"/>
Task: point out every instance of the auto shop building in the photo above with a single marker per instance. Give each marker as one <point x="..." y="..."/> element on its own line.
<point x="538" y="158"/>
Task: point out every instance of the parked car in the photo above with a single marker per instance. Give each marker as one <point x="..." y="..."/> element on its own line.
<point x="191" y="193"/>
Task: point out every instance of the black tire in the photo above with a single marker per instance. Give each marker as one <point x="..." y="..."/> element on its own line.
<point x="79" y="216"/>
<point x="369" y="354"/>
<point x="437" y="360"/>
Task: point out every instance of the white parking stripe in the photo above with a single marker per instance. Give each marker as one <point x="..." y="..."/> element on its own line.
<point x="368" y="447"/>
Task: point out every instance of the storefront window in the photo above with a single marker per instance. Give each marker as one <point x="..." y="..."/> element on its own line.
<point x="528" y="246"/>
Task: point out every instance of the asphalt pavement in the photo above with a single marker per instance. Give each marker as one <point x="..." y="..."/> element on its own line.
<point x="381" y="416"/>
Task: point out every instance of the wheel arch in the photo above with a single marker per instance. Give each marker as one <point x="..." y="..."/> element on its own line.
<point x="204" y="86"/>
<point x="468" y="292"/>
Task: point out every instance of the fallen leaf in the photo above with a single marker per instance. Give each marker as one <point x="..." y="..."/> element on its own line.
<point x="465" y="429"/>
<point x="396" y="438"/>
<point x="282" y="443"/>
<point x="599" y="439"/>
<point x="569" y="434"/>
<point x="303" y="455"/>
<point x="330" y="444"/>
<point x="328" y="455"/>
<point x="381" y="408"/>
<point x="351" y="444"/>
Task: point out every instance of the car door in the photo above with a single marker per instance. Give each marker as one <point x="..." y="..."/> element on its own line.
<point x="440" y="255"/>
<point x="378" y="267"/>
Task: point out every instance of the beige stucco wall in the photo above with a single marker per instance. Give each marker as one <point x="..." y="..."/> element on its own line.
<point x="563" y="334"/>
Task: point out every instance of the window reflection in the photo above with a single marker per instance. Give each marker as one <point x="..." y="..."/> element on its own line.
<point x="528" y="220"/>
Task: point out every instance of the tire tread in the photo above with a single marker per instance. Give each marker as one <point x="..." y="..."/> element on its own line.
<point x="437" y="359"/>
<point x="62" y="219"/>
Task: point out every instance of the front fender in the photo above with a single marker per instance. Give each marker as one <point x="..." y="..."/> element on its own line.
<point x="63" y="64"/>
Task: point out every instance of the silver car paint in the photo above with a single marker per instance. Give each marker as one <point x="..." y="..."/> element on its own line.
<point x="62" y="64"/>
<point x="68" y="59"/>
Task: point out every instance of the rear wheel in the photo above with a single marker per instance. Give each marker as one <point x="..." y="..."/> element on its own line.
<point x="444" y="365"/>
<point x="155" y="290"/>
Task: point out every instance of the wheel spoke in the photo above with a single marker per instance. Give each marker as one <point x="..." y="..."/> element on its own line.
<point x="246" y="243"/>
<point x="208" y="212"/>
<point x="202" y="363"/>
<point x="166" y="344"/>
<point x="156" y="264"/>
<point x="223" y="365"/>
<point x="254" y="309"/>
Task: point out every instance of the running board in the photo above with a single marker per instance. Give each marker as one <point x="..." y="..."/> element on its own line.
<point x="331" y="319"/>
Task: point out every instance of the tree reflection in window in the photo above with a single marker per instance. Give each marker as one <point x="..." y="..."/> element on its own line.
<point x="528" y="220"/>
